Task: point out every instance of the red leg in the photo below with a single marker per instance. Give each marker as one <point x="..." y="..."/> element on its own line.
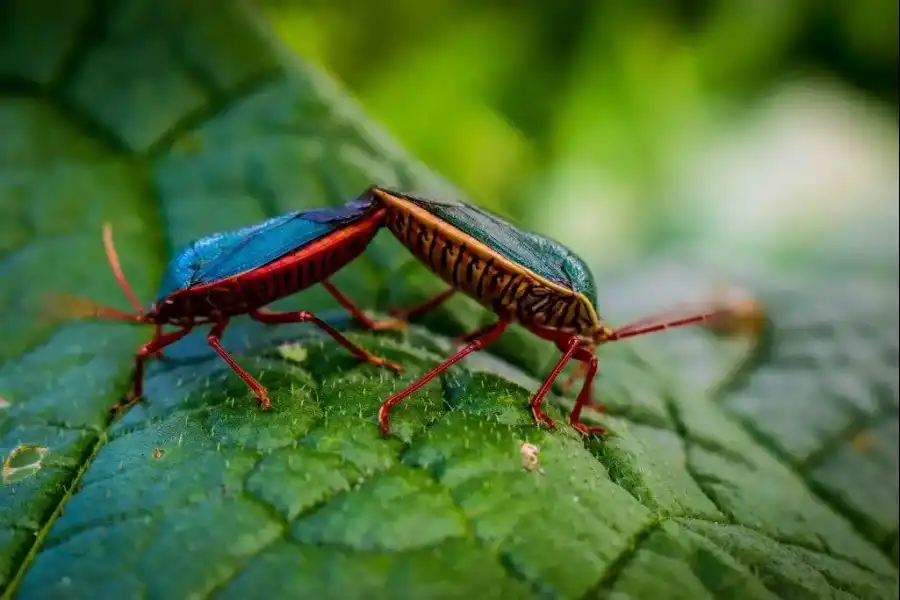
<point x="160" y="340"/>
<point x="570" y="380"/>
<point x="540" y="416"/>
<point x="586" y="395"/>
<point x="465" y="339"/>
<point x="487" y="336"/>
<point x="357" y="313"/>
<point x="303" y="316"/>
<point x="215" y="340"/>
<point x="418" y="310"/>
<point x="159" y="333"/>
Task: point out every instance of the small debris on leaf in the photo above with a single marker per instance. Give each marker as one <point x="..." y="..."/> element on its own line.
<point x="294" y="352"/>
<point x="529" y="455"/>
<point x="23" y="462"/>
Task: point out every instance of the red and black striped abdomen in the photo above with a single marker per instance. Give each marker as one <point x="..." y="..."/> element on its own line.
<point x="474" y="269"/>
<point x="285" y="276"/>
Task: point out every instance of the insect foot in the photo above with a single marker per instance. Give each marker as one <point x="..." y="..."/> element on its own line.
<point x="264" y="402"/>
<point x="588" y="430"/>
<point x="541" y="418"/>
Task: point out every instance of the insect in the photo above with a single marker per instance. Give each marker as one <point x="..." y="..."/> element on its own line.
<point x="521" y="276"/>
<point x="238" y="272"/>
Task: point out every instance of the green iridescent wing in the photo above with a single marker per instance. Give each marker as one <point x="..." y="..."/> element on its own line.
<point x="543" y="256"/>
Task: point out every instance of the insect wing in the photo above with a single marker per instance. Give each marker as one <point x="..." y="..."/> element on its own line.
<point x="539" y="254"/>
<point x="227" y="254"/>
<point x="276" y="237"/>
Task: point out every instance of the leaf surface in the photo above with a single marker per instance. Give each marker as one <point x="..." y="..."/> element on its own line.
<point x="173" y="120"/>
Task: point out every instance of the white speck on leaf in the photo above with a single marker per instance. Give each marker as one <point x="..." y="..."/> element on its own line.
<point x="294" y="352"/>
<point x="529" y="454"/>
<point x="14" y="469"/>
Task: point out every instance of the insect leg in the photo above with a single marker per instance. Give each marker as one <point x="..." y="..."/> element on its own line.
<point x="264" y="316"/>
<point x="153" y="347"/>
<point x="487" y="336"/>
<point x="465" y="339"/>
<point x="586" y="395"/>
<point x="468" y="337"/>
<point x="418" y="310"/>
<point x="566" y="385"/>
<point x="215" y="341"/>
<point x="359" y="315"/>
<point x="539" y="415"/>
<point x="159" y="333"/>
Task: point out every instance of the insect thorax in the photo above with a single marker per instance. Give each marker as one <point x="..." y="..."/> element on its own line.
<point x="492" y="280"/>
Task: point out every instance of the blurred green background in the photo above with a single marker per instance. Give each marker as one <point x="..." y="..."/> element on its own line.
<point x="622" y="127"/>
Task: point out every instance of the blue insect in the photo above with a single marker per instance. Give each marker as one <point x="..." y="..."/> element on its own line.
<point x="239" y="272"/>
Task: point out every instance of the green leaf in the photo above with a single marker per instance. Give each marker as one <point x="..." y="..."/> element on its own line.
<point x="173" y="120"/>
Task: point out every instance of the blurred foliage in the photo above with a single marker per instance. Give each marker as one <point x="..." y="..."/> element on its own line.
<point x="516" y="102"/>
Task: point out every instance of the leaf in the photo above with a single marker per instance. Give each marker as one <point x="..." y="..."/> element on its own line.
<point x="174" y="120"/>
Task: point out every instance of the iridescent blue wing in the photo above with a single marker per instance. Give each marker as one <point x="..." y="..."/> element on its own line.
<point x="224" y="255"/>
<point x="539" y="254"/>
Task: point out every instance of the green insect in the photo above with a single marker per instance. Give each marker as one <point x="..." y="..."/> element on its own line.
<point x="521" y="276"/>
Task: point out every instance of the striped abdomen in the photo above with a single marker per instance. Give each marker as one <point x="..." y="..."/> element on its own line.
<point x="285" y="276"/>
<point x="495" y="281"/>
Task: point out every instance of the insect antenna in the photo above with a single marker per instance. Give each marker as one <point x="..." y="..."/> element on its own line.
<point x="65" y="306"/>
<point x="714" y="319"/>
<point x="660" y="323"/>
<point x="113" y="257"/>
<point x="726" y="318"/>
